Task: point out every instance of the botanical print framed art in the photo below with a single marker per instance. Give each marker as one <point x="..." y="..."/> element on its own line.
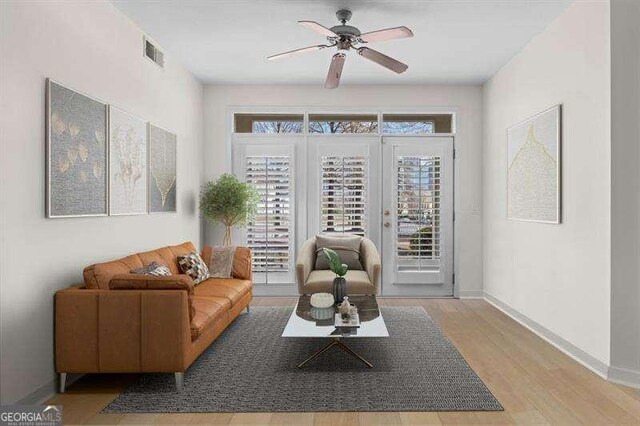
<point x="162" y="170"/>
<point x="127" y="163"/>
<point x="76" y="130"/>
<point x="533" y="168"/>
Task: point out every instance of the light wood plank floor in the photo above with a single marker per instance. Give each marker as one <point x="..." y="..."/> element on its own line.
<point x="535" y="383"/>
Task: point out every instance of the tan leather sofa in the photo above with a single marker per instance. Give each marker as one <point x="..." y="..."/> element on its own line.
<point x="312" y="281"/>
<point x="119" y="322"/>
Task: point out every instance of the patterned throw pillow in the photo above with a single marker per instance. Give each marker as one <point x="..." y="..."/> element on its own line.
<point x="193" y="265"/>
<point x="154" y="268"/>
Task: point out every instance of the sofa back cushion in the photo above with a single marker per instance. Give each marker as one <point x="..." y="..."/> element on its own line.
<point x="98" y="276"/>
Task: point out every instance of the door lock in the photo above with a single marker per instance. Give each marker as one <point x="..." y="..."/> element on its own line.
<point x="387" y="212"/>
<point x="387" y="224"/>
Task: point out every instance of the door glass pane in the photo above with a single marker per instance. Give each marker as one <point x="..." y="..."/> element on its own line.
<point x="343" y="194"/>
<point x="343" y="123"/>
<point x="268" y="235"/>
<point x="418" y="212"/>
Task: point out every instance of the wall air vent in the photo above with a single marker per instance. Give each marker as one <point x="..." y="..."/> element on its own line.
<point x="152" y="52"/>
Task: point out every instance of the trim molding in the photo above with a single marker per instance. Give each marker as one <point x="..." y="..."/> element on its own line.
<point x="593" y="364"/>
<point x="624" y="376"/>
<point x="470" y="294"/>
<point x="47" y="391"/>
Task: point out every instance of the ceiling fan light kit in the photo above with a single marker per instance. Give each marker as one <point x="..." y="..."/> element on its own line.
<point x="346" y="37"/>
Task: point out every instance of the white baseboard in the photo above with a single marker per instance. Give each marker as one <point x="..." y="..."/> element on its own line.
<point x="46" y="391"/>
<point x="624" y="376"/>
<point x="593" y="364"/>
<point x="470" y="294"/>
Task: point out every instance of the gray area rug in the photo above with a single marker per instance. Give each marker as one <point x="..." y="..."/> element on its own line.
<point x="250" y="368"/>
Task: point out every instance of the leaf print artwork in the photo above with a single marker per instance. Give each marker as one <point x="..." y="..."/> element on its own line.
<point x="162" y="165"/>
<point x="128" y="163"/>
<point x="76" y="184"/>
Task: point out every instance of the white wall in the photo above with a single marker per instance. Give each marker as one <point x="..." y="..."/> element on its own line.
<point x="557" y="276"/>
<point x="92" y="47"/>
<point x="625" y="197"/>
<point x="467" y="100"/>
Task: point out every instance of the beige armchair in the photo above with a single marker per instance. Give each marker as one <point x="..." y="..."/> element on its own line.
<point x="311" y="281"/>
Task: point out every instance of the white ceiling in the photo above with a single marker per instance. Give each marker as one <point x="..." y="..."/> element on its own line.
<point x="226" y="42"/>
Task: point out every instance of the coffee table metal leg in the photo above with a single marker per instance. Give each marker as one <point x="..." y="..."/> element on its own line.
<point x="335" y="342"/>
<point x="318" y="353"/>
<point x="352" y="352"/>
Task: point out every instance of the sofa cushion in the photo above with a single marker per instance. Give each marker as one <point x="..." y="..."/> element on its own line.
<point x="193" y="265"/>
<point x="322" y="281"/>
<point x="347" y="246"/>
<point x="98" y="276"/>
<point x="231" y="288"/>
<point x="154" y="268"/>
<point x="241" y="262"/>
<point x="208" y="310"/>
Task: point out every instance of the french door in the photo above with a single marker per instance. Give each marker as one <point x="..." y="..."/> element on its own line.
<point x="396" y="191"/>
<point x="417" y="231"/>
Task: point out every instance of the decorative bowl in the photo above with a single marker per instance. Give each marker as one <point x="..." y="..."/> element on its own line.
<point x="322" y="300"/>
<point x="322" y="313"/>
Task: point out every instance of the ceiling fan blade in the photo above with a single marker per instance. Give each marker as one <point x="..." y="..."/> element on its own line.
<point x="296" y="51"/>
<point x="335" y="71"/>
<point x="386" y="34"/>
<point x="384" y="60"/>
<point x="314" y="26"/>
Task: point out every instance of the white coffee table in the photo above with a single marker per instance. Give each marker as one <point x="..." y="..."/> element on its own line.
<point x="305" y="322"/>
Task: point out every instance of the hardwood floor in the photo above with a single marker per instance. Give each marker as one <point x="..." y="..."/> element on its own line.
<point x="536" y="383"/>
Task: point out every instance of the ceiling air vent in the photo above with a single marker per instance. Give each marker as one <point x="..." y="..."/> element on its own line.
<point x="151" y="51"/>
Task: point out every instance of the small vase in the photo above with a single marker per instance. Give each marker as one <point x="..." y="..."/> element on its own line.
<point x="339" y="289"/>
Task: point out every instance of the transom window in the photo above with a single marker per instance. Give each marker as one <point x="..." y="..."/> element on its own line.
<point x="341" y="123"/>
<point x="269" y="123"/>
<point x="381" y="124"/>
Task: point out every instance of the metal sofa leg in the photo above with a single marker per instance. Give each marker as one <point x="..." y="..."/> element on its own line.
<point x="63" y="382"/>
<point x="179" y="381"/>
<point x="248" y="308"/>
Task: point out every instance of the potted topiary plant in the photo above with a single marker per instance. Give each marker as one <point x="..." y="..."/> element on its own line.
<point x="340" y="269"/>
<point x="229" y="202"/>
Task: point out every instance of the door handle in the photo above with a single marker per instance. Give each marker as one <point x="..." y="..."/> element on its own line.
<point x="387" y="224"/>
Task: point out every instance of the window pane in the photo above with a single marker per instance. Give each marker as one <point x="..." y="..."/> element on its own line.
<point x="418" y="214"/>
<point x="343" y="123"/>
<point x="268" y="234"/>
<point x="268" y="123"/>
<point x="343" y="194"/>
<point x="416" y="123"/>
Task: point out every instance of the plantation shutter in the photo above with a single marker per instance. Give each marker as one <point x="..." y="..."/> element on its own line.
<point x="343" y="194"/>
<point x="269" y="234"/>
<point x="417" y="238"/>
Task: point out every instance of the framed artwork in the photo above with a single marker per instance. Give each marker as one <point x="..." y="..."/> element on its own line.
<point x="162" y="170"/>
<point x="76" y="129"/>
<point x="533" y="168"/>
<point x="127" y="163"/>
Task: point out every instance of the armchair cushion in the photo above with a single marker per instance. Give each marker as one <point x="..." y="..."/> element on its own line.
<point x="322" y="281"/>
<point x="347" y="247"/>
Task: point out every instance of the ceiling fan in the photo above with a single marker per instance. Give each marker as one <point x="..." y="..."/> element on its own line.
<point x="346" y="37"/>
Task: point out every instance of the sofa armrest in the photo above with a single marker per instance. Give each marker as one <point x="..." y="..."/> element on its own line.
<point x="371" y="262"/>
<point x="305" y="263"/>
<point x="154" y="282"/>
<point x="121" y="330"/>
